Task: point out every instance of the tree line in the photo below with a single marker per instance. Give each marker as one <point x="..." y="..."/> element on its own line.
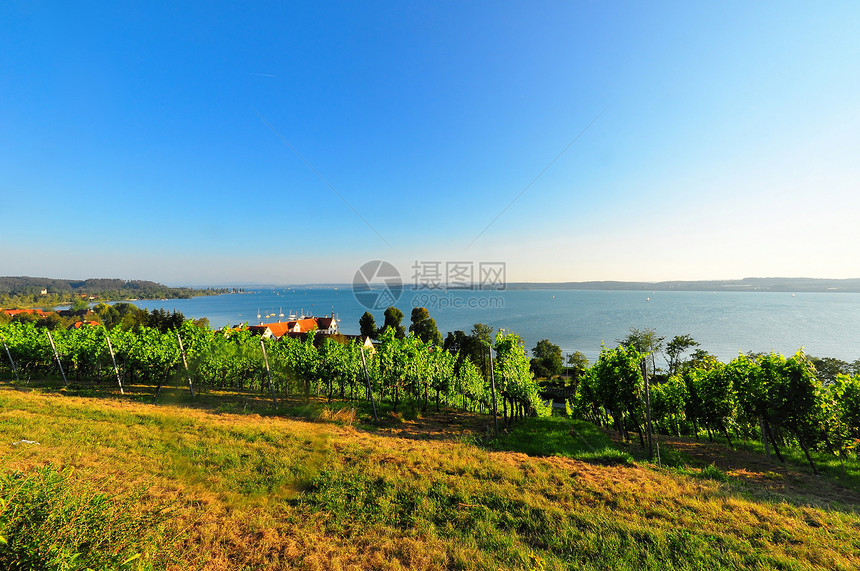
<point x="25" y="291"/>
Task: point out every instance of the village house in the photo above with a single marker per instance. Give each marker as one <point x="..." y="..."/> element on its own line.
<point x="323" y="325"/>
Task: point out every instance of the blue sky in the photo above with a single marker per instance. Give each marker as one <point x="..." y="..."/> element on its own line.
<point x="148" y="142"/>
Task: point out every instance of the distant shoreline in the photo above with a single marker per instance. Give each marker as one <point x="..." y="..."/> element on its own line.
<point x="784" y="285"/>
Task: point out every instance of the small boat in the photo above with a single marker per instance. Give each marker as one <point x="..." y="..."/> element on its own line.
<point x="647" y="299"/>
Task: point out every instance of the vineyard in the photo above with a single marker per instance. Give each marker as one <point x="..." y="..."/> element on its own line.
<point x="404" y="372"/>
<point x="768" y="396"/>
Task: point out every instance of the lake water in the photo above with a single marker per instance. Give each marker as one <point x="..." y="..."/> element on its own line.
<point x="824" y="324"/>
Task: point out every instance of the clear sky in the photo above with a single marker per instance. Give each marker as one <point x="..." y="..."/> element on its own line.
<point x="710" y="140"/>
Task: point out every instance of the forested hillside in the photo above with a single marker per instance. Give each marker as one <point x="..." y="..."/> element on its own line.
<point x="26" y="291"/>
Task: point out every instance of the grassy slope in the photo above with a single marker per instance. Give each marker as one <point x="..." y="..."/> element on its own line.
<point x="256" y="492"/>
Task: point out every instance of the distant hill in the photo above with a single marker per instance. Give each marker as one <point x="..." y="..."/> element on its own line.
<point x="101" y="288"/>
<point x="746" y="284"/>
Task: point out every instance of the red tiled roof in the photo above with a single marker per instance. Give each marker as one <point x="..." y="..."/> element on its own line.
<point x="305" y="325"/>
<point x="79" y="324"/>
<point x="281" y="328"/>
<point x="278" y="329"/>
<point x="38" y="312"/>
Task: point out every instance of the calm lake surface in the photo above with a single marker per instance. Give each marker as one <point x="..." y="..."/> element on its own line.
<point x="824" y="324"/>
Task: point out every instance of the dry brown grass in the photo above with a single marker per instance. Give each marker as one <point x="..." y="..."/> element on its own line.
<point x="343" y="416"/>
<point x="245" y="493"/>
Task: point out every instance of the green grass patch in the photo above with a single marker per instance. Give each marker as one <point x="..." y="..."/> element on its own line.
<point x="709" y="472"/>
<point x="560" y="436"/>
<point x="845" y="470"/>
<point x="501" y="529"/>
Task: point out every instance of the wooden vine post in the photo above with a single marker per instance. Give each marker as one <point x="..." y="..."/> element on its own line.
<point x="115" y="368"/>
<point x="369" y="388"/>
<point x="268" y="372"/>
<point x="57" y="355"/>
<point x="11" y="360"/>
<point x="493" y="387"/>
<point x="185" y="362"/>
<point x="764" y="436"/>
<point x="648" y="429"/>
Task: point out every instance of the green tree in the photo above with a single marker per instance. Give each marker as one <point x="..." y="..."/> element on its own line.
<point x="482" y="335"/>
<point x="79" y="304"/>
<point x="125" y="315"/>
<point x="367" y="325"/>
<point x="482" y="332"/>
<point x="700" y="358"/>
<point x="471" y="347"/>
<point x="424" y="327"/>
<point x="675" y="350"/>
<point x="393" y="319"/>
<point x="455" y="343"/>
<point x="163" y="320"/>
<point x="547" y="361"/>
<point x="645" y="341"/>
<point x="828" y="368"/>
<point x="577" y="363"/>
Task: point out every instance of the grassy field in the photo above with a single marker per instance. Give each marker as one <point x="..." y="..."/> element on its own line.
<point x="226" y="484"/>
